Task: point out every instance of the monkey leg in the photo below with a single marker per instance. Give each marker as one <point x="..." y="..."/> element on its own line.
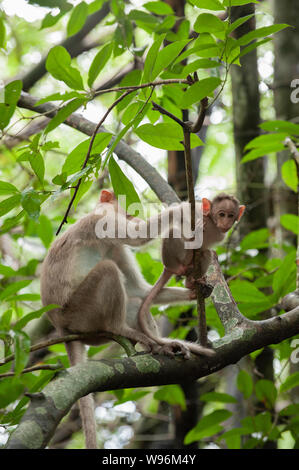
<point x="99" y="305"/>
<point x="175" y="256"/>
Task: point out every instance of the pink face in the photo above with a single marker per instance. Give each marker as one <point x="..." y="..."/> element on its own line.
<point x="225" y="213"/>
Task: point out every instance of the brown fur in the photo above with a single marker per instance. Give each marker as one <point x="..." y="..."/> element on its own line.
<point x="218" y="217"/>
<point x="100" y="288"/>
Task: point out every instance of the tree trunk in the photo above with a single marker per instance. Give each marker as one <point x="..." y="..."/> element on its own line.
<point x="250" y="176"/>
<point x="286" y="66"/>
<point x="246" y="118"/>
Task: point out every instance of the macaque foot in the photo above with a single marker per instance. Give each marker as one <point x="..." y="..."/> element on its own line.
<point x="206" y="289"/>
<point x="171" y="349"/>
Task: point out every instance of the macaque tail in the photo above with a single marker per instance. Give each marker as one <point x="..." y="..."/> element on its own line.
<point x="144" y="312"/>
<point x="146" y="304"/>
<point x="76" y="354"/>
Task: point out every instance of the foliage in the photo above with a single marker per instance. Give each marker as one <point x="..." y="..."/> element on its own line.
<point x="39" y="175"/>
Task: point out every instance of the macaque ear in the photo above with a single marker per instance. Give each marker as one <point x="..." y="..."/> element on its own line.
<point x="106" y="196"/>
<point x="241" y="212"/>
<point x="206" y="206"/>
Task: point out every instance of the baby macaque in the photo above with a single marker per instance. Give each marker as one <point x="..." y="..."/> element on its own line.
<point x="218" y="217"/>
<point x="94" y="278"/>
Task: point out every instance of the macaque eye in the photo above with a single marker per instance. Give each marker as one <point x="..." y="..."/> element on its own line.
<point x="221" y="214"/>
<point x="231" y="216"/>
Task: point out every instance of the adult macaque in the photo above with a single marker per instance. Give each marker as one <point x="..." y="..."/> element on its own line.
<point x="94" y="278"/>
<point x="219" y="215"/>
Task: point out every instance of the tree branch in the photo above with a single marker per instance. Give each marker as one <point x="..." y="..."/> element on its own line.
<point x="124" y="152"/>
<point x="142" y="370"/>
<point x="72" y="44"/>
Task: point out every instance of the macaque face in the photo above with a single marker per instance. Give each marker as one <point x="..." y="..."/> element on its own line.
<point x="224" y="214"/>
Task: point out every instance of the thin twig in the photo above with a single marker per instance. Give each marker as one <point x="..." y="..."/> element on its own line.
<point x="146" y="85"/>
<point x="64" y="220"/>
<point x="33" y="369"/>
<point x="157" y="107"/>
<point x="188" y="128"/>
<point x="74" y="337"/>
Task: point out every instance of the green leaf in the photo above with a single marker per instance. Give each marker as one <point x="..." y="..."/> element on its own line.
<point x="7" y="188"/>
<point x="7" y="271"/>
<point x="31" y="316"/>
<point x="75" y="159"/>
<point x="245" y="291"/>
<point x="58" y="64"/>
<point x="77" y="18"/>
<point x="68" y="95"/>
<point x="50" y="20"/>
<point x="207" y="426"/>
<point x="199" y="90"/>
<point x="290" y="222"/>
<point x="31" y="203"/>
<point x="280" y="126"/>
<point x="84" y="187"/>
<point x="45" y="231"/>
<point x="253" y="46"/>
<point x="218" y="397"/>
<point x="261" y="33"/>
<point x="290" y="410"/>
<point x="165" y="136"/>
<point x="11" y="222"/>
<point x="291" y="382"/>
<point x="37" y="164"/>
<point x="245" y="383"/>
<point x="256" y="239"/>
<point x="265" y="140"/>
<point x="8" y="101"/>
<point x="234" y="3"/>
<point x="151" y="58"/>
<point x="167" y="55"/>
<point x="22" y="347"/>
<point x="200" y="64"/>
<point x="289" y="174"/>
<point x="266" y="392"/>
<point x="159" y="8"/>
<point x="208" y="4"/>
<point x="131" y="111"/>
<point x="14" y="287"/>
<point x="172" y="394"/>
<point x="238" y="23"/>
<point x="10" y="390"/>
<point x="285" y="277"/>
<point x="8" y="204"/>
<point x="142" y="17"/>
<point x="99" y="63"/>
<point x="208" y="23"/>
<point x="64" y="113"/>
<point x="60" y="179"/>
<point x="5" y="320"/>
<point x="263" y="151"/>
<point x="2" y="33"/>
<point x="122" y="185"/>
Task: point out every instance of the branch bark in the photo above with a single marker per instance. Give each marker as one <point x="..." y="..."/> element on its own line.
<point x="48" y="408"/>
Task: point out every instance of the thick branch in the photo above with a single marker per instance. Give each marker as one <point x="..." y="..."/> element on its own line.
<point x="48" y="408"/>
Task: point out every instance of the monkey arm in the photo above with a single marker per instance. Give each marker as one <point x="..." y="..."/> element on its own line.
<point x="173" y="295"/>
